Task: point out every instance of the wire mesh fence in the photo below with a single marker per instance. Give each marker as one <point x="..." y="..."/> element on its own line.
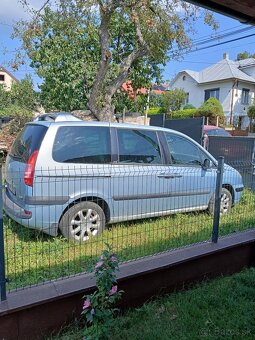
<point x="57" y="226"/>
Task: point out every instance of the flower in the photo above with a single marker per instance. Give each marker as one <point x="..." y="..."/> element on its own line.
<point x="92" y="312"/>
<point x="113" y="290"/>
<point x="99" y="264"/>
<point x="86" y="304"/>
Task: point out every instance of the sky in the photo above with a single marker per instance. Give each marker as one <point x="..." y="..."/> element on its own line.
<point x="12" y="10"/>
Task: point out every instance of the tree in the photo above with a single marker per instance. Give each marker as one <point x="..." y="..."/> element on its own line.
<point x="5" y="98"/>
<point x="251" y="111"/>
<point x="104" y="43"/>
<point x="245" y="55"/>
<point x="212" y="108"/>
<point x="23" y="95"/>
<point x="173" y="99"/>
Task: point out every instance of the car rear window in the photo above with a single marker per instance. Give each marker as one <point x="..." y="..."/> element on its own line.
<point x="82" y="144"/>
<point x="28" y="140"/>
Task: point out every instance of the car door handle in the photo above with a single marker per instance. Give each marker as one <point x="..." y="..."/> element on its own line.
<point x="169" y="176"/>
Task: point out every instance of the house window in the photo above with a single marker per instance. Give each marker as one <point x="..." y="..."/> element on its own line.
<point x="212" y="93"/>
<point x="187" y="98"/>
<point x="245" y="96"/>
<point x="1" y="77"/>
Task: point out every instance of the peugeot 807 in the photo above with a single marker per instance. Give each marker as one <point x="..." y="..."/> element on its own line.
<point x="75" y="177"/>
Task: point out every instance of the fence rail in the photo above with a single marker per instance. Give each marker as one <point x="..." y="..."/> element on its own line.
<point x="145" y="211"/>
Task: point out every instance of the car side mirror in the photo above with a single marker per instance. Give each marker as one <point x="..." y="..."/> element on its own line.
<point x="207" y="164"/>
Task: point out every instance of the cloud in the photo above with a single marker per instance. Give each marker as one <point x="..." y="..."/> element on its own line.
<point x="13" y="10"/>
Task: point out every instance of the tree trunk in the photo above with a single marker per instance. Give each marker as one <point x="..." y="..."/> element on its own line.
<point x="101" y="95"/>
<point x="106" y="112"/>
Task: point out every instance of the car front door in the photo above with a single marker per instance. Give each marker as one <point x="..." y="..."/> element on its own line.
<point x="189" y="183"/>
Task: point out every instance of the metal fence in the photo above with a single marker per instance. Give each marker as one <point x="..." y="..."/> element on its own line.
<point x="146" y="210"/>
<point x="192" y="127"/>
<point x="238" y="152"/>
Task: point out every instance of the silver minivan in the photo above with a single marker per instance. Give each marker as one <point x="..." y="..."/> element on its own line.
<point x="77" y="176"/>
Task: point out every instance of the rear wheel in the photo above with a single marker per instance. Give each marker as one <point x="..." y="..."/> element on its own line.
<point x="82" y="222"/>
<point x="225" y="202"/>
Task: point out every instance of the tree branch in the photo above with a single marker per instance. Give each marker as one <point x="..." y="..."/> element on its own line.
<point x="142" y="51"/>
<point x="116" y="83"/>
<point x="136" y="22"/>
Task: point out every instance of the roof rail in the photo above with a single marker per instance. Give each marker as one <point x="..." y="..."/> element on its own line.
<point x="57" y="117"/>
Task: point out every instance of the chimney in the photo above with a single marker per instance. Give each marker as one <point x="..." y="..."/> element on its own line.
<point x="225" y="56"/>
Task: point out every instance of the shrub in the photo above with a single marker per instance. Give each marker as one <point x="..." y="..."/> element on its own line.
<point x="154" y="111"/>
<point x="189" y="113"/>
<point x="98" y="307"/>
<point x="211" y="108"/>
<point x="173" y="99"/>
<point x="188" y="106"/>
<point x="251" y="111"/>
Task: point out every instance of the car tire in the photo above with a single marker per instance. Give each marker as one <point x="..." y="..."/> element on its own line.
<point x="225" y="204"/>
<point x="82" y="222"/>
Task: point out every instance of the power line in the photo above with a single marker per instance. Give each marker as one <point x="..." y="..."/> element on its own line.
<point x="224" y="36"/>
<point x="5" y="24"/>
<point x="214" y="45"/>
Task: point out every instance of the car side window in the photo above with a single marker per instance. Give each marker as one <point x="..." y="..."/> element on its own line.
<point x="138" y="146"/>
<point x="183" y="151"/>
<point x="82" y="144"/>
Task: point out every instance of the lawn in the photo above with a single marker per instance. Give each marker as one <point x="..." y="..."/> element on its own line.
<point x="220" y="309"/>
<point x="32" y="257"/>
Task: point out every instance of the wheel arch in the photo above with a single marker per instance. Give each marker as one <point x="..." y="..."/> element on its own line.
<point x="231" y="190"/>
<point x="98" y="200"/>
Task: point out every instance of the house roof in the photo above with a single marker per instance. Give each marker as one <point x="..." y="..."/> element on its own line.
<point x="2" y="69"/>
<point x="156" y="89"/>
<point x="245" y="63"/>
<point x="223" y="70"/>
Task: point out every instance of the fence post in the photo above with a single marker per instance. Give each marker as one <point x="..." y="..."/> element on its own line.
<point x="2" y="260"/>
<point x="217" y="201"/>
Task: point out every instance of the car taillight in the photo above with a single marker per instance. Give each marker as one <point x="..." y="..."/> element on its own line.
<point x="30" y="169"/>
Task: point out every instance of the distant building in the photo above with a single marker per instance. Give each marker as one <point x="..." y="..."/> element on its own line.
<point x="156" y="89"/>
<point x="231" y="82"/>
<point x="6" y="78"/>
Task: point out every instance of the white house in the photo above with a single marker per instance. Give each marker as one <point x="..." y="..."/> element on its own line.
<point x="231" y="82"/>
<point x="6" y="78"/>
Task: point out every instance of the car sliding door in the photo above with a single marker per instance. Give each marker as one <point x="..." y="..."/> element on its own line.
<point x="137" y="188"/>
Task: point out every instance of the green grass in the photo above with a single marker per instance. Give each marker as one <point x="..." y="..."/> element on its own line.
<point x="32" y="257"/>
<point x="220" y="309"/>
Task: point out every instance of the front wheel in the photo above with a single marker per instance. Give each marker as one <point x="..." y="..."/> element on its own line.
<point x="82" y="222"/>
<point x="225" y="202"/>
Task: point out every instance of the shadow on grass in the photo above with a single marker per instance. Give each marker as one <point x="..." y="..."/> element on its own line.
<point x="47" y="258"/>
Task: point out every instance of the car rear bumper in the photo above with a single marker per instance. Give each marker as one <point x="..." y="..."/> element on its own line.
<point x="13" y="209"/>
<point x="33" y="217"/>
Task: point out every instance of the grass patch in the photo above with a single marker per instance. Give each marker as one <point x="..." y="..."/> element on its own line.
<point x="220" y="309"/>
<point x="32" y="257"/>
